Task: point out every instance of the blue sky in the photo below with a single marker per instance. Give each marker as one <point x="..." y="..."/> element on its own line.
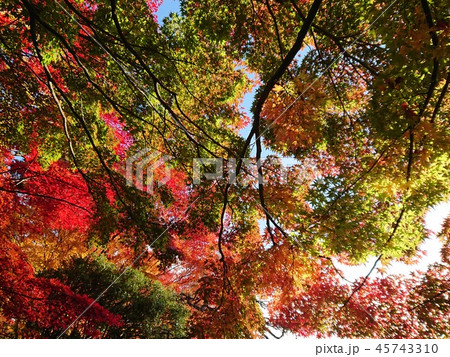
<point x="166" y="8"/>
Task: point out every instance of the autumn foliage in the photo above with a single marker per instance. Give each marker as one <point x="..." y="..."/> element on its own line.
<point x="354" y="93"/>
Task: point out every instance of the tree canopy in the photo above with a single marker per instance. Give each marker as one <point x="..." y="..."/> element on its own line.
<point x="354" y="92"/>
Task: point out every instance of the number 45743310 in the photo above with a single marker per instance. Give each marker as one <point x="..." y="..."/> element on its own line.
<point x="407" y="348"/>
